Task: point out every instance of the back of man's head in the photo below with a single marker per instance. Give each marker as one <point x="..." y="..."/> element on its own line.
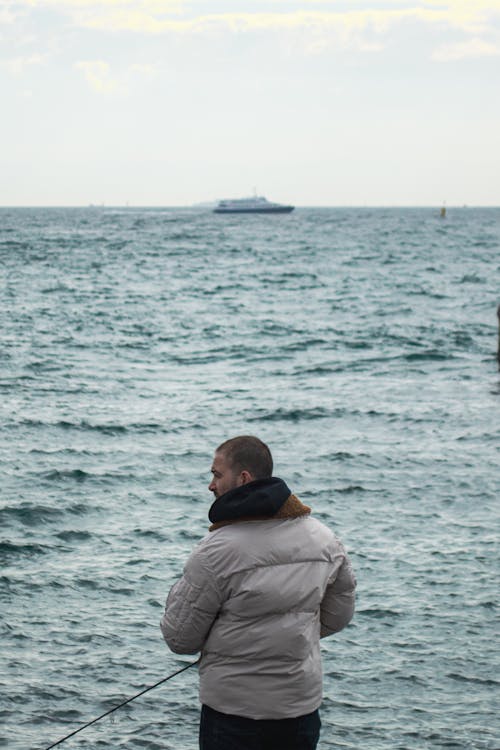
<point x="248" y="453"/>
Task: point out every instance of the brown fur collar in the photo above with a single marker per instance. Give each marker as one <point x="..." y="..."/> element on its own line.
<point x="291" y="508"/>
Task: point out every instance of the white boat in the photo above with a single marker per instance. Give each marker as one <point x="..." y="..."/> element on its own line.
<point x="255" y="205"/>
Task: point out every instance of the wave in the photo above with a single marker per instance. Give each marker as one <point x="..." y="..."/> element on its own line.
<point x="34" y="515"/>
<point x="293" y="415"/>
<point x="156" y="536"/>
<point x="57" y="474"/>
<point x="351" y="488"/>
<point x="30" y="515"/>
<point x="80" y="476"/>
<point x="468" y="678"/>
<point x="83" y="425"/>
<point x="9" y="245"/>
<point x="21" y="549"/>
<point x="74" y="536"/>
<point x="431" y="355"/>
<point x="378" y="612"/>
<point x="342" y="456"/>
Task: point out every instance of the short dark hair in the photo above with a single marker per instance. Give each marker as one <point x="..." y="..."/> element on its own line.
<point x="246" y="452"/>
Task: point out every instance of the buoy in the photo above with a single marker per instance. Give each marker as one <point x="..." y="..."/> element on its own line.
<point x="443" y="212"/>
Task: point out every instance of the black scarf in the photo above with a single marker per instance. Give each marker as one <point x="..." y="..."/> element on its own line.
<point x="262" y="497"/>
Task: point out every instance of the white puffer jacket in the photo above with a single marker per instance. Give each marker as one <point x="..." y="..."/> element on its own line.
<point x="255" y="598"/>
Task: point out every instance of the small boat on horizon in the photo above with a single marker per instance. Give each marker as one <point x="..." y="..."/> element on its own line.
<point x="254" y="205"/>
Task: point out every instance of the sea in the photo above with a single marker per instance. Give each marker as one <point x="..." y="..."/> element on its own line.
<point x="359" y="343"/>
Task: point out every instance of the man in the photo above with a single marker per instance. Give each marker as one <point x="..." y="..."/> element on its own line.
<point x="257" y="593"/>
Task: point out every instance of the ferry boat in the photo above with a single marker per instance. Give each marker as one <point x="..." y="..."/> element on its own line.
<point x="254" y="205"/>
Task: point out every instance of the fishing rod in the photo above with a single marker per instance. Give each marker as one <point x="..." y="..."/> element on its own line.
<point x="129" y="700"/>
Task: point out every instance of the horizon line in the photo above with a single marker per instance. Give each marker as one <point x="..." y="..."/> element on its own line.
<point x="207" y="204"/>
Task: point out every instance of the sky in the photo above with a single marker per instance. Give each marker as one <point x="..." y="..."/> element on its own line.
<point x="314" y="102"/>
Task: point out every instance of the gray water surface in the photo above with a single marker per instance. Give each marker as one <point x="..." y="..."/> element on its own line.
<point x="359" y="343"/>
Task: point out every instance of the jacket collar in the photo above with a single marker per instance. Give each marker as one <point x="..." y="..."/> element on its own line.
<point x="262" y="497"/>
<point x="262" y="500"/>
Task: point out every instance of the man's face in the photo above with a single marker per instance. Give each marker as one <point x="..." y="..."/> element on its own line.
<point x="223" y="477"/>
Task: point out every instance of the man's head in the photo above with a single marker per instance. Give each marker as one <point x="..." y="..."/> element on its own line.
<point x="238" y="461"/>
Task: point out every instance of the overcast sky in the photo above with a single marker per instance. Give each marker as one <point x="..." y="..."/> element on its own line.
<point x="314" y="102"/>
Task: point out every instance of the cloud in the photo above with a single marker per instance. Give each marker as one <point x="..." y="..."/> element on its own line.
<point x="461" y="50"/>
<point x="17" y="65"/>
<point x="317" y="24"/>
<point x="346" y="26"/>
<point x="198" y="16"/>
<point x="162" y="6"/>
<point x="98" y="75"/>
<point x="6" y="16"/>
<point x="146" y="70"/>
<point x="325" y="21"/>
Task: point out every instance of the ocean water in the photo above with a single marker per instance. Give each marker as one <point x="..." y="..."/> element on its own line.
<point x="359" y="343"/>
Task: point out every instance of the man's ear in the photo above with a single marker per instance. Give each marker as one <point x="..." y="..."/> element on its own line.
<point x="245" y="477"/>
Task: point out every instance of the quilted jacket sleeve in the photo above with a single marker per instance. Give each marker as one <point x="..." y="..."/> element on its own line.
<point x="192" y="607"/>
<point x="337" y="607"/>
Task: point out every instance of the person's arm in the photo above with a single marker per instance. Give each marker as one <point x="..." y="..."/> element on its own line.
<point x="337" y="607"/>
<point x="192" y="606"/>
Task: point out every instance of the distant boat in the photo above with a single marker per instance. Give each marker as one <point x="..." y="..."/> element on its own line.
<point x="255" y="205"/>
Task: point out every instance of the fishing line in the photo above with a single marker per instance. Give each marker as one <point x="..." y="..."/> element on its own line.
<point x="129" y="700"/>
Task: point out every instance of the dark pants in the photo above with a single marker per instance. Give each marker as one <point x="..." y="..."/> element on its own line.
<point x="225" y="732"/>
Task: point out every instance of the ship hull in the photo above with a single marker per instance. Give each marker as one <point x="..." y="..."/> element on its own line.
<point x="263" y="210"/>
